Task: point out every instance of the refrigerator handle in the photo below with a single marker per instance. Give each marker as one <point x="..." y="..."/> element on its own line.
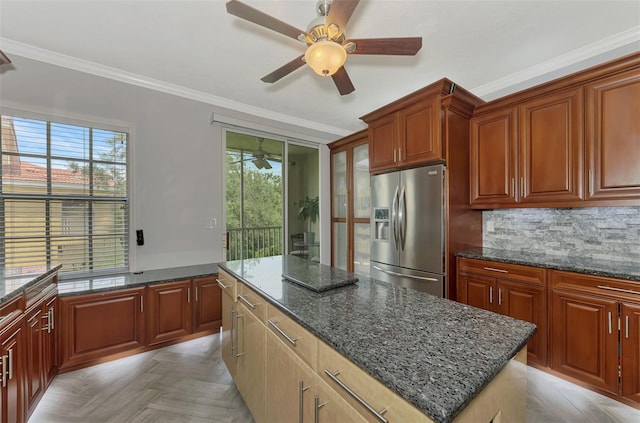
<point x="402" y="213"/>
<point x="394" y="217"/>
<point x="389" y="272"/>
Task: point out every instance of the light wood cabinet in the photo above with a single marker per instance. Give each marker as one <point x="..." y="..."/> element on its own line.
<point x="207" y="305"/>
<point x="100" y="325"/>
<point x="227" y="285"/>
<point x="613" y="137"/>
<point x="12" y="370"/>
<point x="350" y="203"/>
<point x="331" y="407"/>
<point x="250" y="366"/>
<point x="513" y="290"/>
<point x="169" y="311"/>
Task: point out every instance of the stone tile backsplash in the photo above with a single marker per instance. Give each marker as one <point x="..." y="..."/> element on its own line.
<point x="605" y="233"/>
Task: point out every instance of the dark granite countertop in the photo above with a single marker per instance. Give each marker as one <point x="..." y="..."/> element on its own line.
<point x="13" y="282"/>
<point x="435" y="353"/>
<point x="612" y="269"/>
<point x="89" y="285"/>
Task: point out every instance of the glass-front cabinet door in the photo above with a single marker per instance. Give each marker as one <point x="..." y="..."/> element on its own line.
<point x="350" y="208"/>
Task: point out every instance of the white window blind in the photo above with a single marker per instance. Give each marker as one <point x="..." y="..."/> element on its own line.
<point x="63" y="196"/>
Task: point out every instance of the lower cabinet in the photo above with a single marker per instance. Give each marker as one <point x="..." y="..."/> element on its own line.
<point x="630" y="340"/>
<point x="516" y="291"/>
<point x="169" y="311"/>
<point x="50" y="342"/>
<point x="331" y="407"/>
<point x="13" y="375"/>
<point x="207" y="304"/>
<point x="99" y="325"/>
<point x="250" y="366"/>
<point x="229" y="341"/>
<point x="35" y="357"/>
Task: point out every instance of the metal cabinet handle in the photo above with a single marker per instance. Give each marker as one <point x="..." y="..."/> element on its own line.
<point x="490" y="295"/>
<point x="196" y="294"/>
<point x="493" y="269"/>
<point x="274" y="323"/>
<point x="499" y="296"/>
<point x="377" y="414"/>
<point x="221" y="285"/>
<point x="609" y="318"/>
<point x="405" y="276"/>
<point x="247" y="302"/>
<point x="612" y="288"/>
<point x="301" y="390"/>
<point x="400" y="154"/>
<point x="52" y="319"/>
<point x="394" y="155"/>
<point x="513" y="187"/>
<point x="626" y="327"/>
<point x="4" y="370"/>
<point x="141" y="304"/>
<point x="522" y="186"/>
<point x="238" y="316"/>
<point x="590" y="182"/>
<point x="48" y="324"/>
<point x="10" y="352"/>
<point x="231" y="312"/>
<point x="189" y="295"/>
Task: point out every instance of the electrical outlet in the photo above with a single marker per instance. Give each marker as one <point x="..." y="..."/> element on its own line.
<point x="212" y="223"/>
<point x="491" y="226"/>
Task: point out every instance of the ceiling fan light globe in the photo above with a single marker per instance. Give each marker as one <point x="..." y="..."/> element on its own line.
<point x="325" y="57"/>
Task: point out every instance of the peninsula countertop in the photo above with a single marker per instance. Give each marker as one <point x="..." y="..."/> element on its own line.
<point x="435" y="353"/>
<point x="13" y="281"/>
<point x="588" y="266"/>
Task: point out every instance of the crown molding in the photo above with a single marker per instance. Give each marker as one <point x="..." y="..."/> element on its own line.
<point x="31" y="52"/>
<point x="622" y="39"/>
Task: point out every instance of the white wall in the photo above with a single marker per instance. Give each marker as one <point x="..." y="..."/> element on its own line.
<point x="176" y="163"/>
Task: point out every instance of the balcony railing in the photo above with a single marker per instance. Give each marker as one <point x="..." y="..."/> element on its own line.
<point x="262" y="241"/>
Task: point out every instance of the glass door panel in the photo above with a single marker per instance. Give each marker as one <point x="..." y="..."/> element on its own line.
<point x="340" y="245"/>
<point x="361" y="182"/>
<point x="361" y="248"/>
<point x="340" y="185"/>
<point x="303" y="188"/>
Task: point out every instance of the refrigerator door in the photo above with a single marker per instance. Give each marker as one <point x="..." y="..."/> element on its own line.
<point x="430" y="283"/>
<point x="421" y="219"/>
<point x="384" y="223"/>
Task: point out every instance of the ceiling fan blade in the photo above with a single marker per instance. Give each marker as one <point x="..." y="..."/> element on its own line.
<point x="284" y="70"/>
<point x="408" y="46"/>
<point x="4" y="59"/>
<point x="340" y="12"/>
<point x="343" y="82"/>
<point x="250" y="14"/>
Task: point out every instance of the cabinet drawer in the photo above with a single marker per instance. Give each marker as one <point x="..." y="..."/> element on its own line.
<point x="254" y="302"/>
<point x="300" y="340"/>
<point x="535" y="275"/>
<point x="605" y="287"/>
<point x="344" y="376"/>
<point x="228" y="284"/>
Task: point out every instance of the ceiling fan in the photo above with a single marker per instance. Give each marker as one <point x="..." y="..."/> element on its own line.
<point x="260" y="158"/>
<point x="327" y="44"/>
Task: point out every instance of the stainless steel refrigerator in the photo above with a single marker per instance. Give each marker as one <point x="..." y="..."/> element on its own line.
<point x="408" y="228"/>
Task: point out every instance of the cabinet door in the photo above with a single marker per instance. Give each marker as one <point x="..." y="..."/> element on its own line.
<point x="330" y="407"/>
<point x="99" y="325"/>
<point x="383" y="140"/>
<point x="551" y="147"/>
<point x="289" y="385"/>
<point x="229" y="342"/>
<point x="207" y="305"/>
<point x="630" y="337"/>
<point x="420" y="138"/>
<point x="528" y="303"/>
<point x="12" y="353"/>
<point x="584" y="338"/>
<point x="477" y="291"/>
<point x="250" y="371"/>
<point x="613" y="137"/>
<point x="34" y="359"/>
<point x="169" y="311"/>
<point x="494" y="158"/>
<point x="49" y="343"/>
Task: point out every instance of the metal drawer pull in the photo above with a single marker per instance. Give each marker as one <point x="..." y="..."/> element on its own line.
<point x="626" y="327"/>
<point x="490" y="295"/>
<point x="499" y="296"/>
<point x="274" y="323"/>
<point x="189" y="295"/>
<point x="48" y="325"/>
<point x="317" y="406"/>
<point x="196" y="294"/>
<point x="141" y="304"/>
<point x="4" y="370"/>
<point x="612" y="288"/>
<point x="493" y="269"/>
<point x="244" y="300"/>
<point x="609" y="315"/>
<point x="378" y="415"/>
<point x="52" y="323"/>
<point x="301" y="390"/>
<point x="221" y="285"/>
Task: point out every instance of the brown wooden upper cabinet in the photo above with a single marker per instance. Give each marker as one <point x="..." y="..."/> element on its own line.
<point x="528" y="149"/>
<point x="408" y="132"/>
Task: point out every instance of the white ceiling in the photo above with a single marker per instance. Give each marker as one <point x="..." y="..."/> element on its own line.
<point x="196" y="49"/>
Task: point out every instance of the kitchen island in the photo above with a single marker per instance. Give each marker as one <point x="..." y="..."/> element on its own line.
<point x="439" y="356"/>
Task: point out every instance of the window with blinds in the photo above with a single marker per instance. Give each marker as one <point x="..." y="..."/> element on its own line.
<point x="63" y="197"/>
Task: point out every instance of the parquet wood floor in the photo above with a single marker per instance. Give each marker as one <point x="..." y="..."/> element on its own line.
<point x="188" y="383"/>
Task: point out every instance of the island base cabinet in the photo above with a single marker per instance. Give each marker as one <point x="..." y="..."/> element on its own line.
<point x="330" y="407"/>
<point x="630" y="339"/>
<point x="250" y="367"/>
<point x="228" y="333"/>
<point x="290" y="385"/>
<point x="99" y="325"/>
